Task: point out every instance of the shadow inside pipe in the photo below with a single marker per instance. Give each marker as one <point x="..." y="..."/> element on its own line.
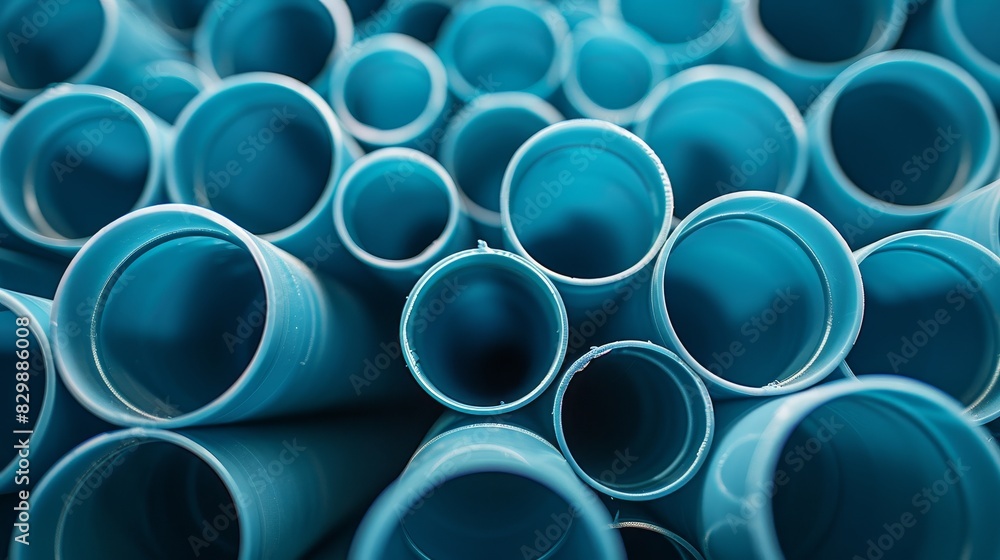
<point x="422" y="20"/>
<point x="387" y="90"/>
<point x="672" y="21"/>
<point x="612" y="72"/>
<point x="645" y="544"/>
<point x="180" y="14"/>
<point x="822" y="31"/>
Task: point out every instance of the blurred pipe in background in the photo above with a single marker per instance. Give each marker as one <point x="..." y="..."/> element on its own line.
<point x="647" y="541"/>
<point x="976" y="216"/>
<point x="180" y="18"/>
<point x="420" y="19"/>
<point x="167" y="86"/>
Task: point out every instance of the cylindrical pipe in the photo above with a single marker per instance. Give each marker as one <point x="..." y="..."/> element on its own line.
<point x="803" y="45"/>
<point x="75" y="158"/>
<point x="508" y="319"/>
<point x="297" y="38"/>
<point x="45" y="422"/>
<point x="364" y="11"/>
<point x="480" y="56"/>
<point x="266" y="491"/>
<point x="420" y="19"/>
<point x="844" y="470"/>
<point x="398" y="212"/>
<point x="722" y="129"/>
<point x="390" y="90"/>
<point x="633" y="420"/>
<point x="895" y="140"/>
<point x="246" y="332"/>
<point x="932" y="312"/>
<point x="180" y="18"/>
<point x="976" y="216"/>
<point x="165" y="87"/>
<point x="610" y="71"/>
<point x="479" y="144"/>
<point x="266" y="151"/>
<point x="758" y="294"/>
<point x="97" y="42"/>
<point x="648" y="541"/>
<point x="489" y="491"/>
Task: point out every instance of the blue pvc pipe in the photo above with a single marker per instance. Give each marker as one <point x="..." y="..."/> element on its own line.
<point x="297" y="38"/>
<point x="633" y="420"/>
<point x="52" y="421"/>
<point x="487" y="491"/>
<point x="165" y="87"/>
<point x="75" y="158"/>
<point x="484" y="332"/>
<point x="803" y="45"/>
<point x="758" y="294"/>
<point x="477" y="48"/>
<point x="96" y="42"/>
<point x="976" y="216"/>
<point x="390" y="90"/>
<point x="932" y="312"/>
<point x="363" y="11"/>
<point x="722" y="129"/>
<point x="30" y="274"/>
<point x="398" y="212"/>
<point x="175" y="316"/>
<point x="266" y="491"/>
<point x="420" y="19"/>
<point x="479" y="143"/>
<point x="647" y="541"/>
<point x="240" y="147"/>
<point x="179" y="18"/>
<point x="895" y="140"/>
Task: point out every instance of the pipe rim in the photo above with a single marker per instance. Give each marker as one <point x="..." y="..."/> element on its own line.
<point x="674" y="538"/>
<point x="722" y="30"/>
<point x="947" y="11"/>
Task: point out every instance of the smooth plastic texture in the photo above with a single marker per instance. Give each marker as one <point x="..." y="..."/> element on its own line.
<point x="167" y="86"/>
<point x="976" y="216"/>
<point x="932" y="312"/>
<point x="647" y="541"/>
<point x="633" y="420"/>
<point x="758" y="294"/>
<point x="722" y="129"/>
<point x="74" y="159"/>
<point x="484" y="332"/>
<point x="896" y="139"/>
<point x="174" y="316"/>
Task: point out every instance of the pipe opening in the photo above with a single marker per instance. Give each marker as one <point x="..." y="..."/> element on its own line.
<point x="821" y="31"/>
<point x="291" y="38"/>
<point x="422" y="20"/>
<point x="387" y="89"/>
<point x="672" y="21"/>
<point x="41" y="49"/>
<point x="364" y="9"/>
<point x="22" y="357"/>
<point x="176" y="86"/>
<point x="612" y="72"/>
<point x="975" y="18"/>
<point x="148" y="499"/>
<point x="634" y="421"/>
<point x="646" y="544"/>
<point x="172" y="334"/>
<point x="747" y="301"/>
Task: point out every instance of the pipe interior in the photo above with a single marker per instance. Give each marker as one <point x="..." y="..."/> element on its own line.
<point x="41" y="49"/>
<point x="612" y="72"/>
<point x="745" y="300"/>
<point x="629" y="423"/>
<point x="975" y="18"/>
<point x="423" y="20"/>
<point x="180" y="324"/>
<point x="855" y="468"/>
<point x="720" y="137"/>
<point x="929" y="320"/>
<point x="822" y="31"/>
<point x="387" y="89"/>
<point x="180" y="14"/>
<point x="26" y="365"/>
<point x="644" y="544"/>
<point x="242" y="148"/>
<point x="170" y="96"/>
<point x="396" y="210"/>
<point x="150" y="499"/>
<point x="364" y="9"/>
<point x="672" y="21"/>
<point x="919" y="134"/>
<point x="292" y="38"/>
<point x="508" y="331"/>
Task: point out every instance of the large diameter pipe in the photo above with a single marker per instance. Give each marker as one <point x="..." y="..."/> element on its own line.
<point x="486" y="490"/>
<point x="722" y="129"/>
<point x="758" y="294"/>
<point x="895" y="140"/>
<point x="246" y="332"/>
<point x="976" y="216"/>
<point x="74" y="159"/>
<point x="932" y="312"/>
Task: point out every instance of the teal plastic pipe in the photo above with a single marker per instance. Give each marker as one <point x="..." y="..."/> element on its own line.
<point x="976" y="216"/>
<point x="420" y="19"/>
<point x="30" y="274"/>
<point x="165" y="87"/>
<point x="647" y="541"/>
<point x="179" y="18"/>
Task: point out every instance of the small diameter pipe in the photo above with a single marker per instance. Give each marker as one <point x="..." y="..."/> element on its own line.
<point x="932" y="312"/>
<point x="976" y="216"/>
<point x="896" y="140"/>
<point x="390" y="90"/>
<point x="510" y="323"/>
<point x="722" y="129"/>
<point x="266" y="151"/>
<point x="45" y="422"/>
<point x="488" y="491"/>
<point x="398" y="212"/>
<point x="167" y="86"/>
<point x="610" y="71"/>
<point x="758" y="294"/>
<point x="97" y="42"/>
<point x="74" y="159"/>
<point x="297" y="38"/>
<point x="174" y="316"/>
<point x="479" y="144"/>
<point x="803" y="45"/>
<point x="480" y="56"/>
<point x="647" y="541"/>
<point x="633" y="420"/>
